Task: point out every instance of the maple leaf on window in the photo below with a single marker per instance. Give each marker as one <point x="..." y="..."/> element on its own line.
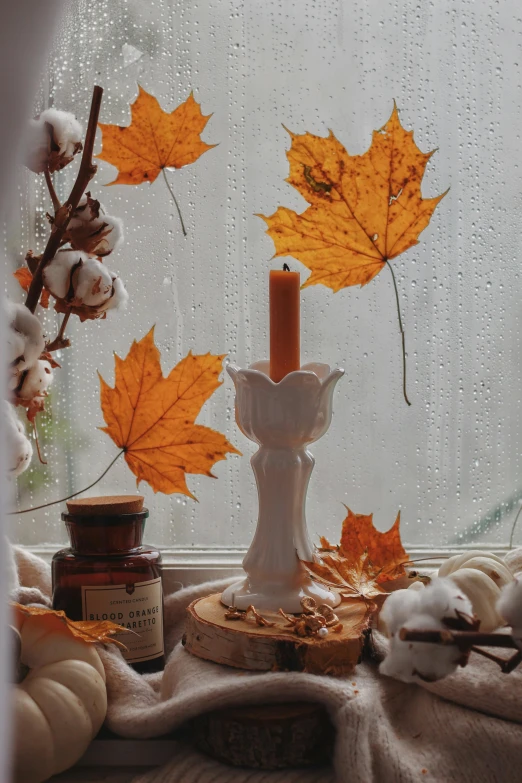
<point x="154" y="141"/>
<point x="152" y="417"/>
<point x="364" y="560"/>
<point x="364" y="210"/>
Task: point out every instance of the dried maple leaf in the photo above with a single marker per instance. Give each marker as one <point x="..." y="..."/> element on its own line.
<point x="364" y="209"/>
<point x="24" y="277"/>
<point x="364" y="559"/>
<point x="152" y="417"/>
<point x="90" y="631"/>
<point x="154" y="141"/>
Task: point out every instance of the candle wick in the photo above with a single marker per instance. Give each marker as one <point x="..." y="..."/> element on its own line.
<point x="286" y="268"/>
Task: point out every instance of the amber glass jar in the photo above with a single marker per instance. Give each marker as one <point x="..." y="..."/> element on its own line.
<point x="107" y="574"/>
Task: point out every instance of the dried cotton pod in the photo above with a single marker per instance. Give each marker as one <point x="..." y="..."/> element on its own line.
<point x="83" y="285"/>
<point x="438" y="606"/>
<point x="25" y="341"/>
<point x="53" y="139"/>
<point x="93" y="231"/>
<point x="34" y="388"/>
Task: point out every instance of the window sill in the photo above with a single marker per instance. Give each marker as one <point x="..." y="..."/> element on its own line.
<point x="193" y="566"/>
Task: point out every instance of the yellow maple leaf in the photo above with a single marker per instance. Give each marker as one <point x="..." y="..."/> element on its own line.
<point x="152" y="417"/>
<point x="364" y="209"/>
<point x="154" y="141"/>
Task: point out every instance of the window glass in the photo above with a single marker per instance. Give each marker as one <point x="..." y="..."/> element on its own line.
<point x="451" y="462"/>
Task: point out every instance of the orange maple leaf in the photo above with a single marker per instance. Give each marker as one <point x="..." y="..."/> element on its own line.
<point x="364" y="559"/>
<point x="151" y="417"/>
<point x="24" y="276"/>
<point x="90" y="631"/>
<point x="364" y="209"/>
<point x="154" y="141"/>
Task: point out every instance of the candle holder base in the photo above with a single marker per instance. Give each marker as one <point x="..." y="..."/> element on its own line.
<point x="243" y="593"/>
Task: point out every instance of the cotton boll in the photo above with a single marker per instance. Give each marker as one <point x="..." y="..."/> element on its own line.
<point x="15" y="345"/>
<point x="37" y="381"/>
<point x="119" y="298"/>
<point x="18" y="446"/>
<point x="398" y="608"/>
<point x="98" y="235"/>
<point x="442" y="599"/>
<point x="53" y="140"/>
<point x="67" y="131"/>
<point x="25" y="338"/>
<point x="83" y="285"/>
<point x="57" y="273"/>
<point x="509" y="606"/>
<point x="92" y="283"/>
<point x="420" y="661"/>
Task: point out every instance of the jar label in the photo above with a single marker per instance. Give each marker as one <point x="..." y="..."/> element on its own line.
<point x="138" y="607"/>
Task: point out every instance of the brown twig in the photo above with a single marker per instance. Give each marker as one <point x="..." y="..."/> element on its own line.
<point x="42" y="460"/>
<point x="63" y="215"/>
<point x="52" y="192"/>
<point x="60" y="341"/>
<point x="464" y="640"/>
<point x="507" y="665"/>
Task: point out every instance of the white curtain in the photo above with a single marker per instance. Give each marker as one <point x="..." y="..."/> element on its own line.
<point x="26" y="30"/>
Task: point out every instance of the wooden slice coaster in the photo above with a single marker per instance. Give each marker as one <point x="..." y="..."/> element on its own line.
<point x="270" y="736"/>
<point x="245" y="645"/>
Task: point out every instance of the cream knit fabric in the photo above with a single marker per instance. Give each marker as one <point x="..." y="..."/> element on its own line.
<point x="467" y="728"/>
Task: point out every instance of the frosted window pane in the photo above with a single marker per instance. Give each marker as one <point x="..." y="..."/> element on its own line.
<point x="451" y="462"/>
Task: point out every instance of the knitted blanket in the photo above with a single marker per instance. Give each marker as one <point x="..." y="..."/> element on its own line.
<point x="466" y="728"/>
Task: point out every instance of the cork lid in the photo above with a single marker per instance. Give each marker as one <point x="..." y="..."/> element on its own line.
<point x="107" y="505"/>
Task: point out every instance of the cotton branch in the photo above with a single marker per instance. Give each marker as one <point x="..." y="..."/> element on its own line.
<point x="60" y="341"/>
<point x="52" y="192"/>
<point x="469" y="641"/>
<point x="63" y="215"/>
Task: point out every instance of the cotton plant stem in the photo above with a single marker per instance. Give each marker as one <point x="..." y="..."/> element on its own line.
<point x="73" y="495"/>
<point x="175" y="202"/>
<point x="60" y="341"/>
<point x="507" y="665"/>
<point x="62" y="217"/>
<point x="464" y="640"/>
<point x="403" y="335"/>
<point x="52" y="192"/>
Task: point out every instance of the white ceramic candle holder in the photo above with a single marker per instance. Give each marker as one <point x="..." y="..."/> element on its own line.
<point x="283" y="418"/>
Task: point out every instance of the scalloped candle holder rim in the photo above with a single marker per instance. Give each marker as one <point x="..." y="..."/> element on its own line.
<point x="262" y="368"/>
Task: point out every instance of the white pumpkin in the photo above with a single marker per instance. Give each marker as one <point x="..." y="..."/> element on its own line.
<point x="480" y="576"/>
<point x="513" y="560"/>
<point x="61" y="704"/>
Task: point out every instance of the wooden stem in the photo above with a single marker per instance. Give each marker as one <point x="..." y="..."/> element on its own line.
<point x="60" y="341"/>
<point x="62" y="217"/>
<point x="52" y="192"/>
<point x="506" y="665"/>
<point x="464" y="640"/>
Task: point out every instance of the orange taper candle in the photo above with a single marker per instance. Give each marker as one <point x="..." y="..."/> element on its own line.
<point x="284" y="323"/>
